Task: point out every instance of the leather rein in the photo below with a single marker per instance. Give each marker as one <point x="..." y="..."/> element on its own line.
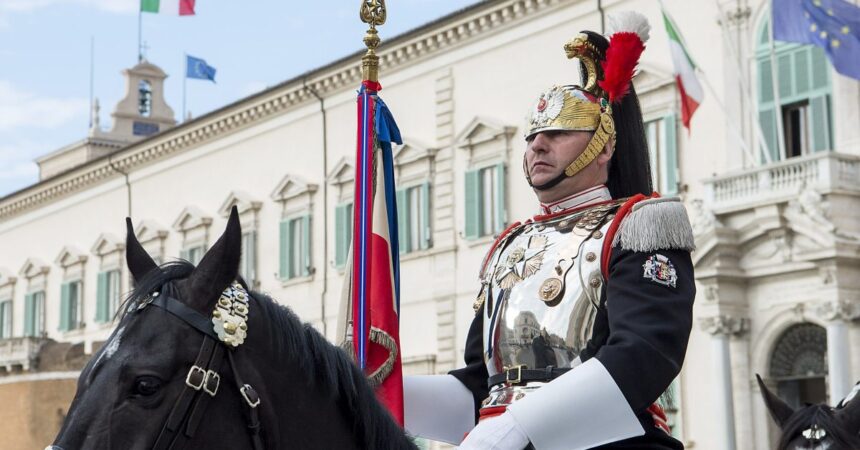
<point x="221" y="335"/>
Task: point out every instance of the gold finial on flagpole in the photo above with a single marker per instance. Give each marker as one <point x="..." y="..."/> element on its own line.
<point x="372" y="13"/>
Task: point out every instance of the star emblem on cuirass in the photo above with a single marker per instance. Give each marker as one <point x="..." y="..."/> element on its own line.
<point x="521" y="263"/>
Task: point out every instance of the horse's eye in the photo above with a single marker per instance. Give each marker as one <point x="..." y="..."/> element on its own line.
<point x="146" y="385"/>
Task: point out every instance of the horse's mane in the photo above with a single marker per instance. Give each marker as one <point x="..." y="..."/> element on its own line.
<point x="328" y="367"/>
<point x="825" y="418"/>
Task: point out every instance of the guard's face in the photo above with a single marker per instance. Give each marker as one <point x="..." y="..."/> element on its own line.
<point x="549" y="152"/>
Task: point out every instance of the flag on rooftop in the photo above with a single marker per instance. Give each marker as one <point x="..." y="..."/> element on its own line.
<point x="199" y="69"/>
<point x="688" y="84"/>
<point x="174" y="7"/>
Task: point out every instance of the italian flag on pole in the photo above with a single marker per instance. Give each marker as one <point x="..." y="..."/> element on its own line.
<point x="174" y="7"/>
<point x="685" y="73"/>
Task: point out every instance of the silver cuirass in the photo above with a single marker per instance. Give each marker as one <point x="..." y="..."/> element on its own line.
<point x="541" y="290"/>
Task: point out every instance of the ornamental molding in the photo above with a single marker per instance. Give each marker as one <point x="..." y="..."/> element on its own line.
<point x="839" y="310"/>
<point x="150" y="230"/>
<point x="69" y="256"/>
<point x="396" y="53"/>
<point x="702" y="219"/>
<point x="242" y="201"/>
<point x="342" y="173"/>
<point x="481" y="130"/>
<point x="106" y="244"/>
<point x="191" y="217"/>
<point x="412" y="151"/>
<point x="7" y="278"/>
<point x="34" y="267"/>
<point x="725" y="325"/>
<point x="292" y="186"/>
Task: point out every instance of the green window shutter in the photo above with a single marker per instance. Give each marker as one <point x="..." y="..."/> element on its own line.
<point x="670" y="157"/>
<point x="65" y="308"/>
<point x="306" y="245"/>
<point x="184" y="254"/>
<point x="341" y="241"/>
<point x="473" y="204"/>
<point x="29" y="315"/>
<point x="802" y="71"/>
<point x="501" y="213"/>
<point x="819" y="123"/>
<point x="403" y="228"/>
<point x="767" y="119"/>
<point x="784" y="76"/>
<point x="426" y="238"/>
<point x="284" y="247"/>
<point x="102" y="299"/>
<point x="820" y="68"/>
<point x="765" y="81"/>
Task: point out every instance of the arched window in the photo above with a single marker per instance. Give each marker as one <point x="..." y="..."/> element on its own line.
<point x="144" y="100"/>
<point x="798" y="364"/>
<point x="803" y="85"/>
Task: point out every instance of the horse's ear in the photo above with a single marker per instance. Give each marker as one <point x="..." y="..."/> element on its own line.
<point x="219" y="267"/>
<point x="779" y="410"/>
<point x="849" y="415"/>
<point x="139" y="262"/>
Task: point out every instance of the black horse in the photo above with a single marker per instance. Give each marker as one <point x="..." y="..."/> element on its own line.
<point x="284" y="387"/>
<point x="814" y="427"/>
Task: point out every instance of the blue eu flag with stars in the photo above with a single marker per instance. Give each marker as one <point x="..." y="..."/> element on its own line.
<point x="197" y="68"/>
<point x="833" y="25"/>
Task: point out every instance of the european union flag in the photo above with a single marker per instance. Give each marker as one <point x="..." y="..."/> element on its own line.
<point x="197" y="68"/>
<point x="833" y="25"/>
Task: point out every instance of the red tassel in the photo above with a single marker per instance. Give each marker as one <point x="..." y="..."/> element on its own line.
<point x="623" y="54"/>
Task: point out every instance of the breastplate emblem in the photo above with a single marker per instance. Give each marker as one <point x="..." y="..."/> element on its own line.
<point x="521" y="263"/>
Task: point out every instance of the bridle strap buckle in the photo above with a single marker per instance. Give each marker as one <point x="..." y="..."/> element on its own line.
<point x="250" y="395"/>
<point x="195" y="378"/>
<point x="517" y="373"/>
<point x="211" y="383"/>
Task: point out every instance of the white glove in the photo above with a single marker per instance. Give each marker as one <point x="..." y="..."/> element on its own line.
<point x="499" y="433"/>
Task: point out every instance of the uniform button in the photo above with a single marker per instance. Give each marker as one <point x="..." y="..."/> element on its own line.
<point x="590" y="256"/>
<point x="595" y="282"/>
<point x="563" y="224"/>
<point x="598" y="234"/>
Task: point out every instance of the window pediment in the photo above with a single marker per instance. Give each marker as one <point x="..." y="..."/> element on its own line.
<point x="106" y="244"/>
<point x="412" y="152"/>
<point x="34" y="267"/>
<point x="70" y="256"/>
<point x="650" y="78"/>
<point x="242" y="201"/>
<point x="292" y="187"/>
<point x="150" y="230"/>
<point x="7" y="278"/>
<point x="191" y="217"/>
<point x="342" y="173"/>
<point x="482" y="130"/>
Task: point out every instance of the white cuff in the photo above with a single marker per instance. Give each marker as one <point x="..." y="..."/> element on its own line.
<point x="581" y="409"/>
<point x="437" y="407"/>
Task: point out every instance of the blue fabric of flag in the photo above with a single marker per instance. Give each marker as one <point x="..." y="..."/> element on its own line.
<point x="197" y="68"/>
<point x="833" y="25"/>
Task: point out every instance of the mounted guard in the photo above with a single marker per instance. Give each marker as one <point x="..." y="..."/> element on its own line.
<point x="584" y="310"/>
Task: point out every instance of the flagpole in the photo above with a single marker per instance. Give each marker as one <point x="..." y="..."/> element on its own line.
<point x="140" y="33"/>
<point x="184" y="83"/>
<point x="780" y="138"/>
<point x="763" y="145"/>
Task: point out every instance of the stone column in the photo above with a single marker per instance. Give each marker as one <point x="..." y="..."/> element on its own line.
<point x="838" y="316"/>
<point x="721" y="328"/>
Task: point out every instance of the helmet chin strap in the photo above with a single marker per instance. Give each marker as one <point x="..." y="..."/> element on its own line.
<point x="598" y="141"/>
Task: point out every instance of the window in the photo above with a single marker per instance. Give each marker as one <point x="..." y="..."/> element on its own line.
<point x="343" y="233"/>
<point x="144" y="102"/>
<point x="413" y="217"/>
<point x="193" y="254"/>
<point x="71" y="306"/>
<point x="107" y="295"/>
<point x="295" y="247"/>
<point x="803" y="88"/>
<point x="34" y="314"/>
<point x="662" y="149"/>
<point x="248" y="263"/>
<point x="671" y="402"/>
<point x="485" y="201"/>
<point x="6" y="319"/>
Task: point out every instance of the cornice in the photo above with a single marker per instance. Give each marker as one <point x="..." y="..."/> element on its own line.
<point x="419" y="44"/>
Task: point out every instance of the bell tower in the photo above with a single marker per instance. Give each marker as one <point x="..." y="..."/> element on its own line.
<point x="143" y="111"/>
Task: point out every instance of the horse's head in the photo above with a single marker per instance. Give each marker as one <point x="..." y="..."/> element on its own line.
<point x="814" y="427"/>
<point x="130" y="391"/>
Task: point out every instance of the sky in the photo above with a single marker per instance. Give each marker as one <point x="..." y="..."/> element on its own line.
<point x="45" y="62"/>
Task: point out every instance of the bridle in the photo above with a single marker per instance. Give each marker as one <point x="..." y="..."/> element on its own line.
<point x="225" y="331"/>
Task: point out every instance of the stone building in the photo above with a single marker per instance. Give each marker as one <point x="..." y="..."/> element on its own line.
<point x="777" y="231"/>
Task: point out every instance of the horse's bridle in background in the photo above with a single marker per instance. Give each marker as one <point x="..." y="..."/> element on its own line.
<point x="225" y="331"/>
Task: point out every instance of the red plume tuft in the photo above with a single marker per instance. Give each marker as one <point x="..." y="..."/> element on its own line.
<point x="623" y="54"/>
